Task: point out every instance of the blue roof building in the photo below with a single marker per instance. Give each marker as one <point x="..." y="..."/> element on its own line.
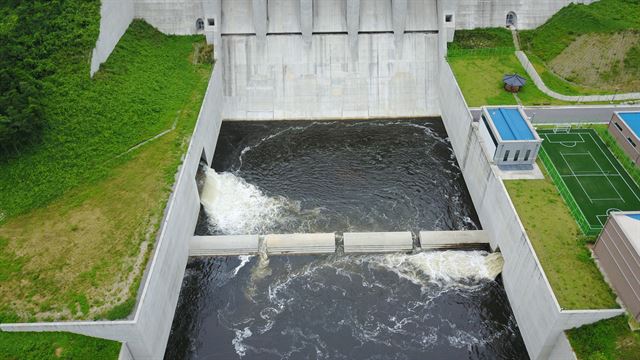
<point x="509" y="135"/>
<point x="625" y="127"/>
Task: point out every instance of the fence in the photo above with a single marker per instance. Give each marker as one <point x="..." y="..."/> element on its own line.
<point x="575" y="210"/>
<point x="453" y="53"/>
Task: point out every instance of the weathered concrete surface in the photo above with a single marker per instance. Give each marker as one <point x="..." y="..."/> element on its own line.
<point x="115" y="17"/>
<point x="363" y="242"/>
<point x="223" y="245"/>
<point x="452" y="239"/>
<point x="320" y="243"/>
<point x="323" y="80"/>
<point x="531" y="70"/>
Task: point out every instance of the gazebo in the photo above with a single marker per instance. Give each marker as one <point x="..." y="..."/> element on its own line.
<point x="513" y="82"/>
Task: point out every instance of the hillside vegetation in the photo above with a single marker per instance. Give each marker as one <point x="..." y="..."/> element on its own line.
<point x="479" y="58"/>
<point x="81" y="196"/>
<point x="596" y="45"/>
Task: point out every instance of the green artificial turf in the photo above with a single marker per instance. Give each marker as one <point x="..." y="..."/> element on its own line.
<point x="593" y="176"/>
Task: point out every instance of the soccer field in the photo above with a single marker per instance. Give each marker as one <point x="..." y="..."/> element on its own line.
<point x="588" y="176"/>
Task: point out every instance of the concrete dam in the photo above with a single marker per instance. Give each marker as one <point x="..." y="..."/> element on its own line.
<point x="338" y="117"/>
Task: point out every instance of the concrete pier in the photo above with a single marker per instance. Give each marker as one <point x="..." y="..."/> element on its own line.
<point x="433" y="240"/>
<point x="366" y="242"/>
<point x="224" y="245"/>
<point x="281" y="244"/>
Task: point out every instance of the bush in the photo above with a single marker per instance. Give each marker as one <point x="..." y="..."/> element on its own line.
<point x="35" y="37"/>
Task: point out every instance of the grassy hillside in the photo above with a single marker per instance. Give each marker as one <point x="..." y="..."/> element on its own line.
<point x="80" y="212"/>
<point x="595" y="47"/>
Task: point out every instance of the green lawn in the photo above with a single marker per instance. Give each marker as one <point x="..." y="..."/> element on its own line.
<point x="480" y="79"/>
<point x="559" y="245"/>
<point x="595" y="180"/>
<point x="606" y="340"/>
<point x="45" y="346"/>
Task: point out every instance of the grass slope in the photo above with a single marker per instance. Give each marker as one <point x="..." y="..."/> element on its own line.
<point x="604" y="16"/>
<point x="605" y="340"/>
<point x="82" y="254"/>
<point x="55" y="346"/>
<point x="558" y="243"/>
<point x="593" y="46"/>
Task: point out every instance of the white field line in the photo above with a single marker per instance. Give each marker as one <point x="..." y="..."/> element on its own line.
<point x="610" y="162"/>
<point x="574" y="175"/>
<point x="608" y="180"/>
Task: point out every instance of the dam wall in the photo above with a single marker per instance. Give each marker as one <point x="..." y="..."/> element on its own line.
<point x="541" y="320"/>
<point x="115" y="17"/>
<point x="324" y="79"/>
<point x="145" y="335"/>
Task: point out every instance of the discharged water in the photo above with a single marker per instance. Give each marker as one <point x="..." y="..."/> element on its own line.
<point x="431" y="305"/>
<point x="287" y="177"/>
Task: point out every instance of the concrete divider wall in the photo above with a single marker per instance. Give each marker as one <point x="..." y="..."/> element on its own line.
<point x="536" y="309"/>
<point x="115" y="17"/>
<point x="147" y="333"/>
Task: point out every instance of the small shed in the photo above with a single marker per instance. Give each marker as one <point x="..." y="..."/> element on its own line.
<point x="625" y="128"/>
<point x="509" y="136"/>
<point x="513" y="82"/>
<point x="618" y="253"/>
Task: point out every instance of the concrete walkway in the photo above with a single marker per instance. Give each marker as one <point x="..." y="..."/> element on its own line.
<point x="524" y="60"/>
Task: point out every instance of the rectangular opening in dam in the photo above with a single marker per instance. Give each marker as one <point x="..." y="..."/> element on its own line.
<point x="334" y="176"/>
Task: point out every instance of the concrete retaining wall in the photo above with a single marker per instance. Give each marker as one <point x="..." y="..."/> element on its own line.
<point x="536" y="309"/>
<point x="115" y="17"/>
<point x="147" y="333"/>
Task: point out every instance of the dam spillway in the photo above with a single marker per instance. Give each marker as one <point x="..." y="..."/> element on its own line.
<point x="334" y="176"/>
<point x="340" y="176"/>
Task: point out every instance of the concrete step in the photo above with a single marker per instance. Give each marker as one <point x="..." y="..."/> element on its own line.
<point x="222" y="245"/>
<point x="367" y="242"/>
<point x="319" y="243"/>
<point x="431" y="240"/>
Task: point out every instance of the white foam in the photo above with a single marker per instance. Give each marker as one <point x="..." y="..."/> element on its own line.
<point x="235" y="207"/>
<point x="443" y="267"/>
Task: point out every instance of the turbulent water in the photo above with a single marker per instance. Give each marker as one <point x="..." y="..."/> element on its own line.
<point x="289" y="177"/>
<point x="286" y="177"/>
<point x="431" y="305"/>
